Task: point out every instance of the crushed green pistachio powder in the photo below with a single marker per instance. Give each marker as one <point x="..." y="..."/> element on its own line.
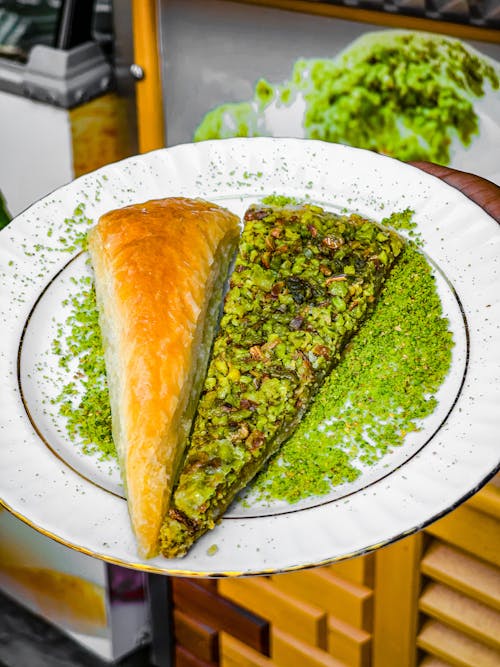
<point x="73" y="238"/>
<point x="281" y="200"/>
<point x="403" y="221"/>
<point x="84" y="401"/>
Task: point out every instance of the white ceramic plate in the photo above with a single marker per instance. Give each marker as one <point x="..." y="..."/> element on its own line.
<point x="46" y="480"/>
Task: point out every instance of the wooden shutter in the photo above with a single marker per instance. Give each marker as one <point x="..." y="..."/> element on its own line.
<point x="317" y="618"/>
<point x="437" y="594"/>
<point x="430" y="600"/>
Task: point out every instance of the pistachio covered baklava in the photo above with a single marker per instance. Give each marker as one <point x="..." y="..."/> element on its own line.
<point x="303" y="281"/>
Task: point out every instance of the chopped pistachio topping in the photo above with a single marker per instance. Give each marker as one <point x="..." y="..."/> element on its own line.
<point x="303" y="281"/>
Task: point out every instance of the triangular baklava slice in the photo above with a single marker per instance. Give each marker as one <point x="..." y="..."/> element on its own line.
<point x="160" y="268"/>
<point x="303" y="281"/>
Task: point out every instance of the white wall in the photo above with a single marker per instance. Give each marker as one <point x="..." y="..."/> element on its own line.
<point x="35" y="150"/>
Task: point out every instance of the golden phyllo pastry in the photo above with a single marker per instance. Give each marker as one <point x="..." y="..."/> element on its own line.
<point x="160" y="269"/>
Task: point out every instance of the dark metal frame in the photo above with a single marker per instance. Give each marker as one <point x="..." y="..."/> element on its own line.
<point x="159" y="589"/>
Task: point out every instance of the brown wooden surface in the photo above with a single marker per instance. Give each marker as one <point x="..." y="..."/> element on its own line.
<point x="360" y="570"/>
<point x="350" y="602"/>
<point x="349" y="644"/>
<point x="221" y="614"/>
<point x="463" y="572"/>
<point x="454" y="647"/>
<point x="397" y="587"/>
<point x="483" y="192"/>
<point x="472" y="531"/>
<point x="289" y="651"/>
<point x="290" y="613"/>
<point x="184" y="658"/>
<point x="432" y="661"/>
<point x="210" y="584"/>
<point x="488" y="499"/>
<point x="237" y="654"/>
<point x="462" y="613"/>
<point x="201" y="639"/>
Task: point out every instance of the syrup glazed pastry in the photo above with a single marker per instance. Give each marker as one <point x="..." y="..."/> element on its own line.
<point x="160" y="269"/>
<point x="303" y="282"/>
